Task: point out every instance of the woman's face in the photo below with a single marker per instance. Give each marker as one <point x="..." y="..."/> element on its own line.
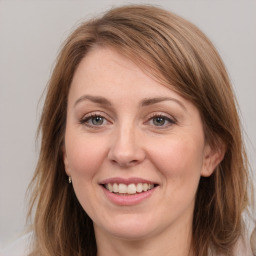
<point x="135" y="150"/>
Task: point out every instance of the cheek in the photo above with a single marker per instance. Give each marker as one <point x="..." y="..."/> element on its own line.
<point x="179" y="162"/>
<point x="84" y="154"/>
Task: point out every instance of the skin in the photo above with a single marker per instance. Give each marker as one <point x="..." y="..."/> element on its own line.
<point x="128" y="143"/>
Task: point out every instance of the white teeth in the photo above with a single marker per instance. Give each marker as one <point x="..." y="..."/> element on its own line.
<point x="139" y="187"/>
<point x="122" y="189"/>
<point x="129" y="189"/>
<point x="145" y="187"/>
<point x="115" y="188"/>
<point x="110" y="187"/>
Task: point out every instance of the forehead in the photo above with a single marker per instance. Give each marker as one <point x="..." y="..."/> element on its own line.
<point x="103" y="69"/>
<point x="104" y="63"/>
<point x="107" y="78"/>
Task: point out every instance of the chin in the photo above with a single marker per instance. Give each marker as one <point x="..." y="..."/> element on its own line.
<point x="128" y="229"/>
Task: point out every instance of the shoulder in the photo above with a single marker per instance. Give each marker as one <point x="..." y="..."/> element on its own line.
<point x="243" y="247"/>
<point x="20" y="247"/>
<point x="253" y="241"/>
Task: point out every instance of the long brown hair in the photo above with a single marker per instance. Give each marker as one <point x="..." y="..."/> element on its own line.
<point x="178" y="55"/>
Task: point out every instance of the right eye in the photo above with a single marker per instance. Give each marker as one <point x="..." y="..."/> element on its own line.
<point x="161" y="121"/>
<point x="94" y="120"/>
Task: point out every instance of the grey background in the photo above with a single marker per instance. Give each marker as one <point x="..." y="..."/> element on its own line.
<point x="31" y="33"/>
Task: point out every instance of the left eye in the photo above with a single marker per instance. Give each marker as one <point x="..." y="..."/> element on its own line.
<point x="97" y="120"/>
<point x="161" y="121"/>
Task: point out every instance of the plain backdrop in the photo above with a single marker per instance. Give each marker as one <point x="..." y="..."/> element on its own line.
<point x="31" y="33"/>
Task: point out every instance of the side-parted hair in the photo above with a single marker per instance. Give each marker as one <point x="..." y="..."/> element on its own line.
<point x="178" y="55"/>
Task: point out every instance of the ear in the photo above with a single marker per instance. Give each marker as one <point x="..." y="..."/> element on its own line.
<point x="212" y="158"/>
<point x="65" y="160"/>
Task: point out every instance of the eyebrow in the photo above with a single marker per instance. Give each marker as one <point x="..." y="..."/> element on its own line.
<point x="145" y="102"/>
<point x="96" y="99"/>
<point x="151" y="101"/>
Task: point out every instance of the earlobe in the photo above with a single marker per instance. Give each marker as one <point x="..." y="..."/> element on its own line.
<point x="212" y="158"/>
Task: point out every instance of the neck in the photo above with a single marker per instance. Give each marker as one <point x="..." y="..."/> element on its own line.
<point x="168" y="243"/>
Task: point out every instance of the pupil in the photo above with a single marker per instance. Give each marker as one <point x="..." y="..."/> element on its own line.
<point x="159" y="121"/>
<point x="97" y="120"/>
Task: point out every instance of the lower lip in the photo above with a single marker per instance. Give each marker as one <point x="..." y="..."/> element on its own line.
<point x="125" y="200"/>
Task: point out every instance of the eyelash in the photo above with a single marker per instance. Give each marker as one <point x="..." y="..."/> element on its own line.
<point x="170" y="121"/>
<point x="87" y="120"/>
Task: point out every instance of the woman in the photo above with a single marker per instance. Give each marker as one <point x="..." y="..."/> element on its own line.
<point x="141" y="144"/>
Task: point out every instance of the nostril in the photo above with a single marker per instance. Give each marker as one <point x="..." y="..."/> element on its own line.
<point x="126" y="152"/>
<point x="123" y="163"/>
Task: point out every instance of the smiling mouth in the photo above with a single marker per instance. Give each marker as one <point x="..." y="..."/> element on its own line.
<point x="128" y="189"/>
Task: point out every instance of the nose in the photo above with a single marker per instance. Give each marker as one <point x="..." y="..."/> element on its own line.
<point x="126" y="149"/>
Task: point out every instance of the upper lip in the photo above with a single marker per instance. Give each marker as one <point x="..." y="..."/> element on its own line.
<point x="126" y="181"/>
